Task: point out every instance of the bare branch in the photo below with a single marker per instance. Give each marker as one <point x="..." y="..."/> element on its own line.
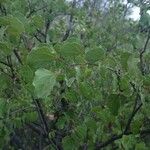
<point x="66" y="35"/>
<point x="17" y="56"/>
<point x="142" y="53"/>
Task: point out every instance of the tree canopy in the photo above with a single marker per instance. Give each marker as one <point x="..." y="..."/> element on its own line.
<point x="74" y="75"/>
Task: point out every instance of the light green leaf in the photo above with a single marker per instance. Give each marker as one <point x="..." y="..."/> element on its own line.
<point x="44" y="81"/>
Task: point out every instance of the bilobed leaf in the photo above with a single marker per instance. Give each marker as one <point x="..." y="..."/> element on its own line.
<point x="94" y="55"/>
<point x="44" y="82"/>
<point x="71" y="50"/>
<point x="40" y="57"/>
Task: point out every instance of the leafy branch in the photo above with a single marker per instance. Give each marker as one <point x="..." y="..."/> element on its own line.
<point x="126" y="131"/>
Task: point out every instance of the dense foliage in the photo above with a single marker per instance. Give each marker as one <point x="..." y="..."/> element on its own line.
<point x="74" y="75"/>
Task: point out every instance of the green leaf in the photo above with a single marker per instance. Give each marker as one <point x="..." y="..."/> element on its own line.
<point x="133" y="69"/>
<point x="81" y="132"/>
<point x="71" y="95"/>
<point x="6" y="48"/>
<point x="26" y="73"/>
<point x="146" y="80"/>
<point x="37" y="21"/>
<point x="94" y="55"/>
<point x="4" y="81"/>
<point x="70" y="50"/>
<point x="137" y="124"/>
<point x="61" y="122"/>
<point x="114" y="103"/>
<point x="14" y="26"/>
<point x="128" y="142"/>
<point x="86" y="90"/>
<point x="3" y="107"/>
<point x="44" y="81"/>
<point x="41" y="57"/>
<point x="125" y="85"/>
<point x="124" y="56"/>
<point x="68" y="143"/>
<point x="141" y="146"/>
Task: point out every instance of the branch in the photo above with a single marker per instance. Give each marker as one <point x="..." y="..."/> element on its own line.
<point x="2" y="70"/>
<point x="44" y="122"/>
<point x="109" y="141"/>
<point x="4" y="63"/>
<point x="47" y="25"/>
<point x="11" y="67"/>
<point x="35" y="128"/>
<point x="32" y="10"/>
<point x="3" y="9"/>
<point x="142" y="53"/>
<point x="125" y="132"/>
<point x="131" y="118"/>
<point x="70" y="23"/>
<point x="41" y="115"/>
<point x="117" y="137"/>
<point x="35" y="35"/>
<point x="18" y="57"/>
